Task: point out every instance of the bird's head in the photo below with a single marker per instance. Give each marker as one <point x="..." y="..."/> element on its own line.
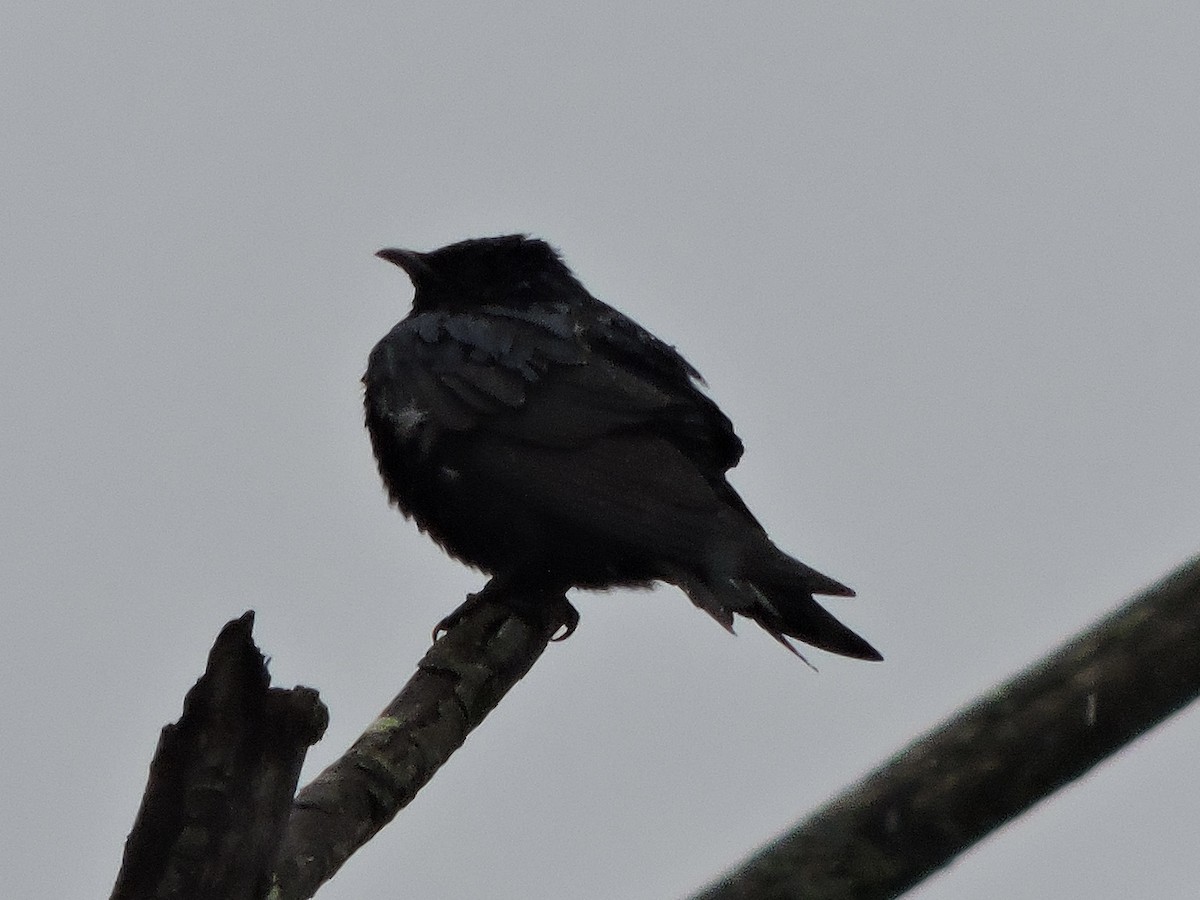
<point x="511" y="270"/>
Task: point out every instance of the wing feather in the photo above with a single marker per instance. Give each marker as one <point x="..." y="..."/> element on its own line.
<point x="588" y="374"/>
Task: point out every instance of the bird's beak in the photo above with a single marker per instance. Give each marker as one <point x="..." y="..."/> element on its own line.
<point x="410" y="261"/>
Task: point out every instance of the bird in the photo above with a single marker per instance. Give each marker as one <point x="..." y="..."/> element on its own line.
<point x="546" y="439"/>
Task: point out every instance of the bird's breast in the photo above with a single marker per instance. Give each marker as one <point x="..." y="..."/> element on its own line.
<point x="409" y="423"/>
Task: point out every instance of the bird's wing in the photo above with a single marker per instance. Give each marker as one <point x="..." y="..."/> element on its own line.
<point x="546" y="376"/>
<point x="636" y="492"/>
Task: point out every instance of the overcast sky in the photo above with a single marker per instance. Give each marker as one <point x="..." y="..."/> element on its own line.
<point x="939" y="262"/>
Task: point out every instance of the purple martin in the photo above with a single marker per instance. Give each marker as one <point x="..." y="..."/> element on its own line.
<point x="542" y="437"/>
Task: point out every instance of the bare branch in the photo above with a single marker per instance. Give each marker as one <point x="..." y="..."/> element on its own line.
<point x="459" y="681"/>
<point x="990" y="762"/>
<point x="222" y="777"/>
<point x="222" y="780"/>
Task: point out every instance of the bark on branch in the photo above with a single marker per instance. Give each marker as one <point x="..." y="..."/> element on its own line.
<point x="221" y="783"/>
<point x="991" y="761"/>
<point x="459" y="681"/>
<point x="218" y="819"/>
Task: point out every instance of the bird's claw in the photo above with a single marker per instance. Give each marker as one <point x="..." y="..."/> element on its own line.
<point x="567" y="615"/>
<point x="556" y="610"/>
<point x="473" y="602"/>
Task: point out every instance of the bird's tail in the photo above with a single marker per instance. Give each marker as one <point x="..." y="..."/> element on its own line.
<point x="777" y="593"/>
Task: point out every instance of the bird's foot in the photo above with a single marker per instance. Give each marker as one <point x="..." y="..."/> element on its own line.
<point x="535" y="606"/>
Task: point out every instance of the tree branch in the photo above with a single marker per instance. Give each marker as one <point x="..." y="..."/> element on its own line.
<point x="221" y="782"/>
<point x="990" y="762"/>
<point x="459" y="681"/>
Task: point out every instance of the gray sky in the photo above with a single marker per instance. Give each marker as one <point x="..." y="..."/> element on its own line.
<point x="937" y="261"/>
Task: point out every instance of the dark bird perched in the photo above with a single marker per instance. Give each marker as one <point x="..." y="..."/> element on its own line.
<point x="541" y="436"/>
